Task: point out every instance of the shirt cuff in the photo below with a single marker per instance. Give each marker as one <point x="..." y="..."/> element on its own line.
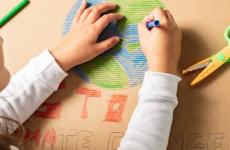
<point x="160" y="84"/>
<point x="49" y="71"/>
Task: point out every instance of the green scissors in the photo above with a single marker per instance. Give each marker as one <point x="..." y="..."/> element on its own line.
<point x="211" y="63"/>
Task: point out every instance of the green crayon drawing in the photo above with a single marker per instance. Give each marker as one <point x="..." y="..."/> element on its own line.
<point x="124" y="65"/>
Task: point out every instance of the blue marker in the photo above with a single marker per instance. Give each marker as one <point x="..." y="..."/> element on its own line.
<point x="152" y="24"/>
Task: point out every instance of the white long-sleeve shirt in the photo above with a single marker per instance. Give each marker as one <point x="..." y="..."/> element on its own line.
<point x="30" y="87"/>
<point x="150" y="123"/>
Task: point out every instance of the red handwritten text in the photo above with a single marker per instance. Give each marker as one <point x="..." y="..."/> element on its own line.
<point x="49" y="110"/>
<point x="88" y="93"/>
<point x="116" y="108"/>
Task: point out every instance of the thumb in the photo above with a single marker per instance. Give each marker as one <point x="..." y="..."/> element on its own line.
<point x="107" y="44"/>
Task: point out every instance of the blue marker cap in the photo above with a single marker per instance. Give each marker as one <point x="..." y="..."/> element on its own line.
<point x="152" y="24"/>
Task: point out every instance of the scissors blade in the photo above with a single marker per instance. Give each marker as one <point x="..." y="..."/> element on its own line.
<point x="200" y="65"/>
<point x="213" y="66"/>
<point x="217" y="61"/>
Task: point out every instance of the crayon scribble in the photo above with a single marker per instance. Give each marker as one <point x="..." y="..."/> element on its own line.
<point x="88" y="93"/>
<point x="49" y="110"/>
<point x="124" y="65"/>
<point x="116" y="108"/>
<point x="49" y="139"/>
<point x="34" y="136"/>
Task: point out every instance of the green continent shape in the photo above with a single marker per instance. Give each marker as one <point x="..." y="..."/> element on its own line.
<point x="135" y="10"/>
<point x="106" y="72"/>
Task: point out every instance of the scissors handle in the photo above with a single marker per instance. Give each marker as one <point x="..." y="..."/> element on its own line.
<point x="227" y="35"/>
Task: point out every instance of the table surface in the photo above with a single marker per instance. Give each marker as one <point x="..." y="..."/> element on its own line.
<point x="200" y="119"/>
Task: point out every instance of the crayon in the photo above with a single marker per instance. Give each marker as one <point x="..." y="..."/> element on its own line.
<point x="13" y="12"/>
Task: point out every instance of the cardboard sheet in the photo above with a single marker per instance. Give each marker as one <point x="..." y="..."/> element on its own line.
<point x="80" y="115"/>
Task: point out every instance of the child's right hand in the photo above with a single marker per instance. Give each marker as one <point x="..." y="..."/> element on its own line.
<point x="80" y="45"/>
<point x="161" y="45"/>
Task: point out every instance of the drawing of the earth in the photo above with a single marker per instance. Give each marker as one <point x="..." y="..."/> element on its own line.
<point x="124" y="65"/>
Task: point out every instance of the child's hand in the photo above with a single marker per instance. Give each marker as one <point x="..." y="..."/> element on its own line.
<point x="80" y="45"/>
<point x="161" y="45"/>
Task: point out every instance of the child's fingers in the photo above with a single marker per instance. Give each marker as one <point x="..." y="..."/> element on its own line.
<point x="80" y="11"/>
<point x="148" y="18"/>
<point x="107" y="44"/>
<point x="142" y="26"/>
<point x="167" y="15"/>
<point x="171" y="18"/>
<point x="106" y="19"/>
<point x="159" y="14"/>
<point x="98" y="10"/>
<point x="85" y="14"/>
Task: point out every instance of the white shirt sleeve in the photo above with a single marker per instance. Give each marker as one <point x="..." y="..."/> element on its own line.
<point x="30" y="87"/>
<point x="151" y="121"/>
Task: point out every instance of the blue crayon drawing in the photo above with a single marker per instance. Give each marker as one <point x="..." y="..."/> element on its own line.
<point x="123" y="66"/>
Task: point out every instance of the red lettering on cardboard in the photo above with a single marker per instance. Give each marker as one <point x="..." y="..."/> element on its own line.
<point x="49" y="110"/>
<point x="116" y="108"/>
<point x="50" y="137"/>
<point x="88" y="93"/>
<point x="33" y="136"/>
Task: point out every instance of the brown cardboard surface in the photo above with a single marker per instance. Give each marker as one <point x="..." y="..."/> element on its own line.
<point x="201" y="120"/>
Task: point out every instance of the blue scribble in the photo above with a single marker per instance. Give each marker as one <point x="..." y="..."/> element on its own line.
<point x="133" y="62"/>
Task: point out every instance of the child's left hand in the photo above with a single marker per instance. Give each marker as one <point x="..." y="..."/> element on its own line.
<point x="80" y="45"/>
